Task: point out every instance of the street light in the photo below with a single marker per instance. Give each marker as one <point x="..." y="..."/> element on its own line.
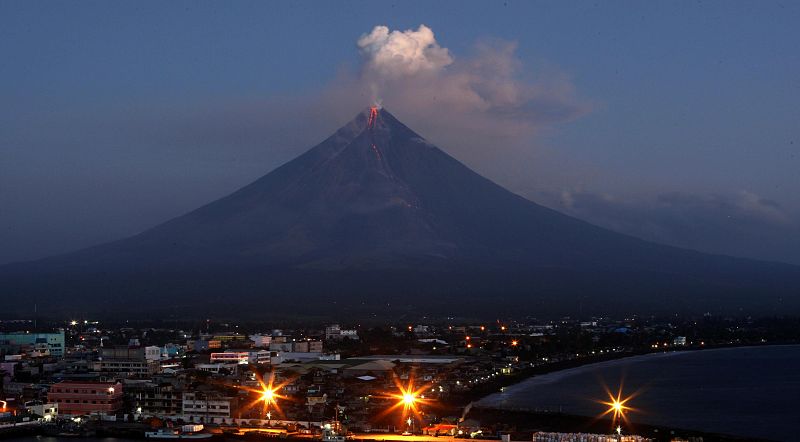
<point x="408" y="399"/>
<point x="617" y="408"/>
<point x="268" y="396"/>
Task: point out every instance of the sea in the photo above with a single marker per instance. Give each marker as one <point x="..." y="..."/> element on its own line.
<point x="744" y="391"/>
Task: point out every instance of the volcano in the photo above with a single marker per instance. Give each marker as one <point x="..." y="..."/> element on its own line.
<point x="376" y="219"/>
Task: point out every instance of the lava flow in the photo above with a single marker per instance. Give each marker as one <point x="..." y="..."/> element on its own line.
<point x="373" y="115"/>
<point x="377" y="152"/>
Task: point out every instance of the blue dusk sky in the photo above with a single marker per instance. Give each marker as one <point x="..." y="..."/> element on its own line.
<point x="676" y="121"/>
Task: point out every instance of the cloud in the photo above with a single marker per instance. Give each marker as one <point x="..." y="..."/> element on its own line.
<point x="739" y="224"/>
<point x="400" y="53"/>
<point x="487" y="94"/>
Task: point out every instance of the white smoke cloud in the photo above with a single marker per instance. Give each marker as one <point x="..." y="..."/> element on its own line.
<point x="399" y="53"/>
<point x="410" y="71"/>
<point x="484" y="107"/>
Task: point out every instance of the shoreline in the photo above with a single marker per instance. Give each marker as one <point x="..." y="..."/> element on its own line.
<point x="525" y="421"/>
<point x="492" y="387"/>
<point x="632" y="357"/>
<point x="544" y="420"/>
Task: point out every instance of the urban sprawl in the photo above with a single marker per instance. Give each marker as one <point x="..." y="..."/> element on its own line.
<point x="329" y="382"/>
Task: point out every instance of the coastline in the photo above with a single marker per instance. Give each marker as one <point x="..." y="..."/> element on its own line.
<point x="489" y="388"/>
<point x="516" y="421"/>
<point x="549" y="420"/>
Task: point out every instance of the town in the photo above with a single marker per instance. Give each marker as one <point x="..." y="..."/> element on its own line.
<point x="84" y="376"/>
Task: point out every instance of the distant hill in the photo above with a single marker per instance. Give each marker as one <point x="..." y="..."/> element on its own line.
<point x="376" y="220"/>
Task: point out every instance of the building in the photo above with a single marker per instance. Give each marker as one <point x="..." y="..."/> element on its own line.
<point x="159" y="400"/>
<point x="152" y="353"/>
<point x="200" y="345"/>
<point x="261" y="341"/>
<point x="231" y="357"/>
<point x="332" y="331"/>
<point x="280" y="357"/>
<point x="228" y="337"/>
<point x="54" y="342"/>
<point x="377" y="368"/>
<point x="210" y="408"/>
<point x="261" y="357"/>
<point x="307" y="346"/>
<point x="48" y="411"/>
<point x="336" y="333"/>
<point x="7" y="369"/>
<point x="218" y="368"/>
<point x="281" y="346"/>
<point x="242" y="357"/>
<point x="84" y="398"/>
<point x="126" y="360"/>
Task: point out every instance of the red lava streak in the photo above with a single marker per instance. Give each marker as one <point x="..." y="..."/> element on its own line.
<point x="373" y="115"/>
<point x="377" y="152"/>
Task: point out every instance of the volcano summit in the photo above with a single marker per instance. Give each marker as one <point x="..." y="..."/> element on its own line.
<point x="376" y="219"/>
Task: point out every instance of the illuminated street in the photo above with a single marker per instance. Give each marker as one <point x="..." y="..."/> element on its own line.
<point x="398" y="437"/>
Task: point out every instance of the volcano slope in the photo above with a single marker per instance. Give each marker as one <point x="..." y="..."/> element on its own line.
<point x="375" y="220"/>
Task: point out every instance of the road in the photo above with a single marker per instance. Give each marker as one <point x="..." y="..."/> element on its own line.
<point x="399" y="438"/>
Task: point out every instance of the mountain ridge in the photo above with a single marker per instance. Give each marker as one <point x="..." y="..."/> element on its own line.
<point x="375" y="198"/>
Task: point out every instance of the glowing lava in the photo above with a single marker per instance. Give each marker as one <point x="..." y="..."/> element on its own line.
<point x="373" y="115"/>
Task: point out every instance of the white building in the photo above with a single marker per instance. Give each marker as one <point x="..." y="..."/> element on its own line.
<point x="52" y="343"/>
<point x="242" y="357"/>
<point x="210" y="408"/>
<point x="261" y="341"/>
<point x="152" y="353"/>
<point x="336" y="333"/>
<point x="48" y="411"/>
